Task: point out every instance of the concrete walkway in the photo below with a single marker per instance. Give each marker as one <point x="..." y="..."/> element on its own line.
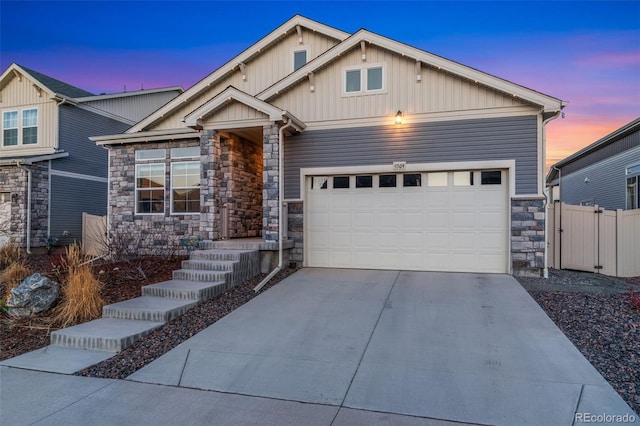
<point x="345" y="347"/>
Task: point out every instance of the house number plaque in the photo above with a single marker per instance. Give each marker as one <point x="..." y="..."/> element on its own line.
<point x="399" y="166"/>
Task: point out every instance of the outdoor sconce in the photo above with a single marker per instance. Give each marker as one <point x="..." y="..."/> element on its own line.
<point x="14" y="197"/>
<point x="399" y="117"/>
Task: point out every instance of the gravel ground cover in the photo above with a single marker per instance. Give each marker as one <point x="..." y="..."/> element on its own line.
<point x="596" y="313"/>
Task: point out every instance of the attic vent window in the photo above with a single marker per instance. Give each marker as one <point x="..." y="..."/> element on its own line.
<point x="299" y="59"/>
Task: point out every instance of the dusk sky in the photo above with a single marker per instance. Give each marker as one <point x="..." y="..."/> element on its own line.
<point x="586" y="53"/>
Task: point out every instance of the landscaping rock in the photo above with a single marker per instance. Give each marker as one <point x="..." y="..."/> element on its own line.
<point x="35" y="294"/>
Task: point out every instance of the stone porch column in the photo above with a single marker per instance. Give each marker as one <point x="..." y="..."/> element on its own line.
<point x="270" y="146"/>
<point x="209" y="214"/>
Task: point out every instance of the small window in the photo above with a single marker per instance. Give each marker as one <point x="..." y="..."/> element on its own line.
<point x="374" y="78"/>
<point x="633" y="193"/>
<point x="10" y="128"/>
<point x="150" y="154"/>
<point x="185" y="187"/>
<point x="412" y="179"/>
<point x="462" y="178"/>
<point x="493" y="177"/>
<point x="437" y="179"/>
<point x="30" y="127"/>
<point x="364" y="181"/>
<point x="387" y="181"/>
<point x="340" y="182"/>
<point x="319" y="182"/>
<point x="189" y="152"/>
<point x="633" y="169"/>
<point x="587" y="203"/>
<point x="352" y="81"/>
<point x="299" y="59"/>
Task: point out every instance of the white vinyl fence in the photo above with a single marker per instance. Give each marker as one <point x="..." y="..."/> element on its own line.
<point x="595" y="240"/>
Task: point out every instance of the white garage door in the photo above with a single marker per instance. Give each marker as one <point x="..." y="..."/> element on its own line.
<point x="432" y="221"/>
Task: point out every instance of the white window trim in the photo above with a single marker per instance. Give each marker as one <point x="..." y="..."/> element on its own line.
<point x="171" y="188"/>
<point x="293" y="57"/>
<point x="136" y="189"/>
<point x="363" y="79"/>
<point x="19" y="127"/>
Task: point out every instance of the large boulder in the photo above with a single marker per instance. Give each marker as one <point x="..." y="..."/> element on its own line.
<point x="35" y="294"/>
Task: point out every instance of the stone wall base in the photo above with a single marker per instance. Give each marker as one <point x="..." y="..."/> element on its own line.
<point x="527" y="236"/>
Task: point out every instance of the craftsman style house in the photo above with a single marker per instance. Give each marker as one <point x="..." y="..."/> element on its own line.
<point x="351" y="150"/>
<point x="50" y="173"/>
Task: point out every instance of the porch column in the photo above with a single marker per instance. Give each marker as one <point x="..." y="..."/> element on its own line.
<point x="209" y="217"/>
<point x="270" y="146"/>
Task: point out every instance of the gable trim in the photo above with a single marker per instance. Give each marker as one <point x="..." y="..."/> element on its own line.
<point x="16" y="71"/>
<point x="230" y="66"/>
<point x="548" y="103"/>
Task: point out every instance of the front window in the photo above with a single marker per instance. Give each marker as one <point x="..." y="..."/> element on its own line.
<point x="364" y="79"/>
<point x="150" y="188"/>
<point x="10" y="128"/>
<point x="29" y="126"/>
<point x="374" y="78"/>
<point x="353" y="81"/>
<point x="185" y="187"/>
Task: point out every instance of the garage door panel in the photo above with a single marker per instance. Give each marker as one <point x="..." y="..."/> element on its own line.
<point x="436" y="226"/>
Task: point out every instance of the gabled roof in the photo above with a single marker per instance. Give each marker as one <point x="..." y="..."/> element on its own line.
<point x="249" y="53"/>
<point x="50" y="84"/>
<point x="93" y="98"/>
<point x="231" y="94"/>
<point x="550" y="104"/>
<point x="612" y="137"/>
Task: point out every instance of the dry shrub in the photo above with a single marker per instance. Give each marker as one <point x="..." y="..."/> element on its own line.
<point x="81" y="299"/>
<point x="9" y="254"/>
<point x="12" y="276"/>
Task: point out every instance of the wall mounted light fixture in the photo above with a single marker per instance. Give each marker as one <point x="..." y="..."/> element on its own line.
<point x="399" y="117"/>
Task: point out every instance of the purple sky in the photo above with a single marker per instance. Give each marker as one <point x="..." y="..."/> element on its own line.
<point x="586" y="53"/>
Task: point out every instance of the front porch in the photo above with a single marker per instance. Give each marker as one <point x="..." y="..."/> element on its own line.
<point x="268" y="249"/>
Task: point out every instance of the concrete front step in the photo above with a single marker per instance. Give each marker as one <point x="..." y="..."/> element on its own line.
<point x="148" y="308"/>
<point x="105" y="334"/>
<point x="210" y="265"/>
<point x="199" y="275"/>
<point x="185" y="289"/>
<point x="219" y="254"/>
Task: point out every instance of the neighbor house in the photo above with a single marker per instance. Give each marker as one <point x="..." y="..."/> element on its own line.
<point x="351" y="150"/>
<point x="605" y="173"/>
<point x="50" y="173"/>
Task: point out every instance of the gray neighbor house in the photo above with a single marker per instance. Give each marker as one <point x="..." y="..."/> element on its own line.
<point x="605" y="173"/>
<point x="346" y="150"/>
<point x="50" y="172"/>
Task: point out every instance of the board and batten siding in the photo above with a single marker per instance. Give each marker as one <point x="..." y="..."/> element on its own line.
<point x="85" y="157"/>
<point x="69" y="198"/>
<point x="437" y="92"/>
<point x="438" y="142"/>
<point x="273" y="64"/>
<point x="20" y="94"/>
<point x="606" y="184"/>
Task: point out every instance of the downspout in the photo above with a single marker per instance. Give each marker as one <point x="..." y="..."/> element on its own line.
<point x="287" y="125"/>
<point x="28" y="170"/>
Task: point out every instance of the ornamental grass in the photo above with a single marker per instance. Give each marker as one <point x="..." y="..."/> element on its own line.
<point x="81" y="299"/>
<point x="11" y="277"/>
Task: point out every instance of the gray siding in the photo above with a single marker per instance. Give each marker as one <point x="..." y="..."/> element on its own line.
<point x="85" y="157"/>
<point x="629" y="141"/>
<point x="461" y="140"/>
<point x="607" y="181"/>
<point x="69" y="198"/>
<point x="134" y="108"/>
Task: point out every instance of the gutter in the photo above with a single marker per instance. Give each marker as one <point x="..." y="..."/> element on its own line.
<point x="20" y="164"/>
<point x="288" y="124"/>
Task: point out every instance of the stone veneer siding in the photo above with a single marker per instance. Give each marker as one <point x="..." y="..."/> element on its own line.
<point x="527" y="236"/>
<point x="14" y="181"/>
<point x="295" y="230"/>
<point x="149" y="233"/>
<point x="241" y="165"/>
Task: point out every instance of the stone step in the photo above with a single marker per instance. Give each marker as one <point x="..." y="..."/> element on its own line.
<point x="198" y="275"/>
<point x="184" y="289"/>
<point x="105" y="334"/>
<point x="210" y="265"/>
<point x="148" y="308"/>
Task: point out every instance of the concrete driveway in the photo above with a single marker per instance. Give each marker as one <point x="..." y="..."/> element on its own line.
<point x="344" y="347"/>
